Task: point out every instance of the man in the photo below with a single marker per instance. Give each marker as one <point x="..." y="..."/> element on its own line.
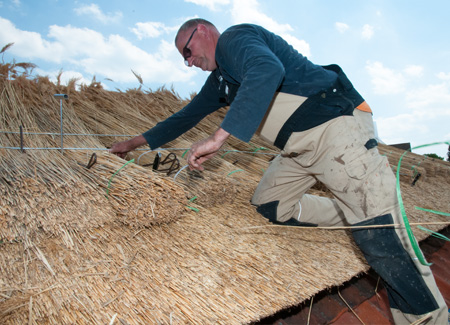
<point x="324" y="130"/>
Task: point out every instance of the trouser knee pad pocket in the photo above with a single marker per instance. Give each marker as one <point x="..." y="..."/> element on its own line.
<point x="269" y="211"/>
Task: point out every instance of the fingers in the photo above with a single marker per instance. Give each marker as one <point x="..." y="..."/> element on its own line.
<point x="117" y="149"/>
<point x="194" y="162"/>
<point x="204" y="150"/>
<point x="121" y="154"/>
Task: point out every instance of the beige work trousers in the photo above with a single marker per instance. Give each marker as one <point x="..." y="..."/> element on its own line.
<point x="361" y="181"/>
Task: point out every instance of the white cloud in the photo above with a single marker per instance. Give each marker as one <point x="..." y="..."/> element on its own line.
<point x="367" y="32"/>
<point x="298" y="44"/>
<point x="414" y="70"/>
<point x="94" y="54"/>
<point x="432" y="100"/>
<point x="94" y="11"/>
<point x="385" y="81"/>
<point x="426" y="120"/>
<point x="443" y="76"/>
<point x="71" y="43"/>
<point x="28" y="45"/>
<point x="66" y="76"/>
<point x="426" y="106"/>
<point x="210" y="4"/>
<point x="400" y="128"/>
<point x="417" y="128"/>
<point x="341" y="27"/>
<point x="114" y="56"/>
<point x="151" y="29"/>
<point x="247" y="11"/>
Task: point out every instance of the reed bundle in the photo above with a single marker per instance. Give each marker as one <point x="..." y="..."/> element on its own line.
<point x="137" y="196"/>
<point x="126" y="243"/>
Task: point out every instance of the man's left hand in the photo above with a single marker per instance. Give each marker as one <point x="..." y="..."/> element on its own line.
<point x="206" y="149"/>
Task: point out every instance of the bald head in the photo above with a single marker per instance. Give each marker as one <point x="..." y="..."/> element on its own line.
<point x="196" y="40"/>
<point x="191" y="24"/>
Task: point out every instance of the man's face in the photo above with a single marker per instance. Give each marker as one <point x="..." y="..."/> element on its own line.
<point x="197" y="49"/>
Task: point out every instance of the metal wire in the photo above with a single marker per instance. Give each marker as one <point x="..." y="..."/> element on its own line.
<point x="58" y="148"/>
<point x="71" y="134"/>
<point x="142" y="149"/>
<point x="104" y="149"/>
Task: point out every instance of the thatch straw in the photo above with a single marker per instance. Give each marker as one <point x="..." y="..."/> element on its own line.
<point x="54" y="192"/>
<point x="83" y="245"/>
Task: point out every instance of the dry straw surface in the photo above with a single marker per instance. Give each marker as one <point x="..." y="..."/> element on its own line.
<point x="99" y="246"/>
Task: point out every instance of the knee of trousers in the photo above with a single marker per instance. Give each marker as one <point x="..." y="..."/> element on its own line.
<point x="269" y="211"/>
<point x="384" y="251"/>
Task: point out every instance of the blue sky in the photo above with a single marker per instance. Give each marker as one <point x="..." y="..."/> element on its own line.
<point x="396" y="53"/>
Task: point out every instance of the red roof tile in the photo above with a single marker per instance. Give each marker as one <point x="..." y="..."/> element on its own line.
<point x="359" y="293"/>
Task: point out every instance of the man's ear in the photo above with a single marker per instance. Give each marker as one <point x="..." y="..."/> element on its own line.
<point x="202" y="29"/>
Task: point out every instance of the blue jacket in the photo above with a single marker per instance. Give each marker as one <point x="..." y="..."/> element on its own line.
<point x="253" y="64"/>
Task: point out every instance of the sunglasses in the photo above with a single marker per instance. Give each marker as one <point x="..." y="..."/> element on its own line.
<point x="187" y="52"/>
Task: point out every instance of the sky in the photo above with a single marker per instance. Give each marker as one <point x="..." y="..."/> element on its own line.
<point x="396" y="53"/>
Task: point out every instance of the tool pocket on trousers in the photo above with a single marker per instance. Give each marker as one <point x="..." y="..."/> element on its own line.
<point x="373" y="184"/>
<point x="363" y="165"/>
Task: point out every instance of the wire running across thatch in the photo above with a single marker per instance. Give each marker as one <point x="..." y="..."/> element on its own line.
<point x="51" y="190"/>
<point x="119" y="241"/>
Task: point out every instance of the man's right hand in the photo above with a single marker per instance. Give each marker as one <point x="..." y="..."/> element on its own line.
<point x="122" y="148"/>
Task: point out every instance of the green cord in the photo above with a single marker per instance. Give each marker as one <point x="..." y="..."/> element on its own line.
<point x="192" y="200"/>
<point x="257" y="149"/>
<point x="110" y="179"/>
<point x="431" y="144"/>
<point x="433" y="233"/>
<point x="412" y="239"/>
<point x="433" y="211"/>
<point x="227" y="152"/>
<point x="253" y="150"/>
<point x="235" y="171"/>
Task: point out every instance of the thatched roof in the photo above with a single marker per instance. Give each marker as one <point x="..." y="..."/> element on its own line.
<point x="91" y="245"/>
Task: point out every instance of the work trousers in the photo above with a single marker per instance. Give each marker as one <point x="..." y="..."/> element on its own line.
<point x="364" y="189"/>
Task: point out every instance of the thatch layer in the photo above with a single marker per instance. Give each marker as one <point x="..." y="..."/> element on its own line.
<point x="52" y="191"/>
<point x="204" y="268"/>
<point x="83" y="245"/>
